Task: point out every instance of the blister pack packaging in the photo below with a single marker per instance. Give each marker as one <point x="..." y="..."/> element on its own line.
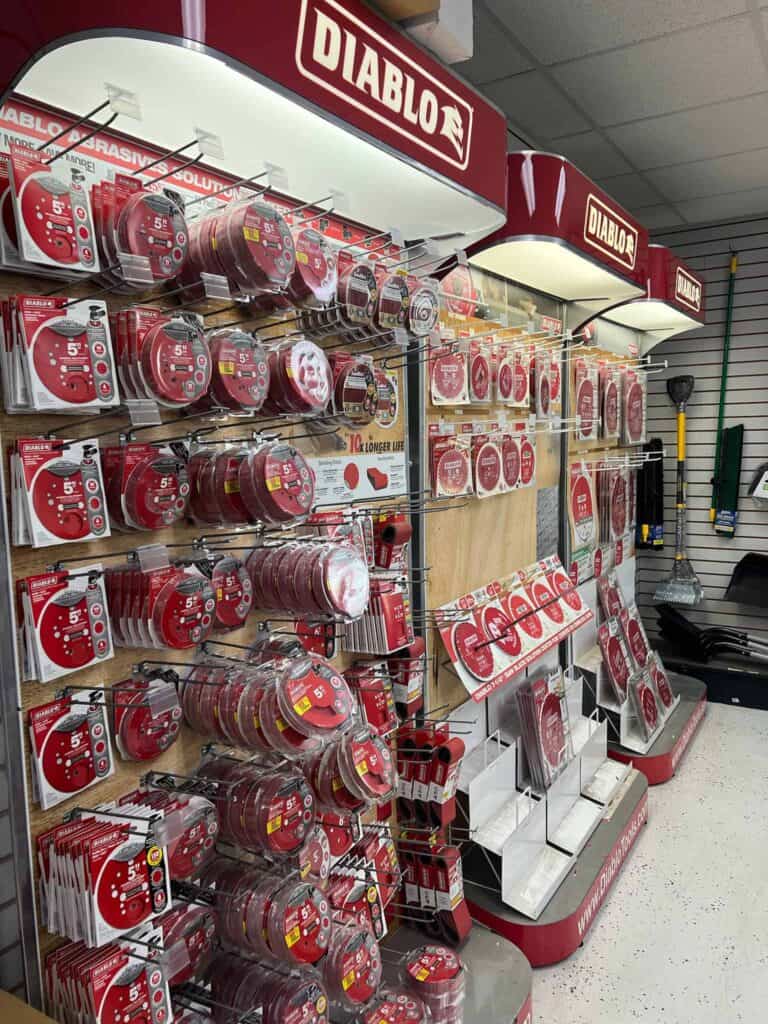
<point x="616" y="658"/>
<point x="62" y="354"/>
<point x="58" y="492"/>
<point x="70" y="748"/>
<point x="53" y="217"/>
<point x="65" y="622"/>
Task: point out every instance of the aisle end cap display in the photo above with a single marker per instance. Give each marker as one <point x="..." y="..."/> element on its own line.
<point x="313" y="75"/>
<point x="565" y="236"/>
<point x="675" y="301"/>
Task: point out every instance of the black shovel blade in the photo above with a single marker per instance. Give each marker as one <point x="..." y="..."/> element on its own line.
<point x="748" y="580"/>
<point x="680" y="389"/>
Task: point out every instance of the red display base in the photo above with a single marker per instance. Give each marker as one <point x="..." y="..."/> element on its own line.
<point x="661" y="761"/>
<point x="563" y="925"/>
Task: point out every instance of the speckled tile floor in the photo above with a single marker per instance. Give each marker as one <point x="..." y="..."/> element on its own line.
<point x="683" y="935"/>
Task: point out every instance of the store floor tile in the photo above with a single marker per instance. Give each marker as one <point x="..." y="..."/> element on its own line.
<point x="683" y="936"/>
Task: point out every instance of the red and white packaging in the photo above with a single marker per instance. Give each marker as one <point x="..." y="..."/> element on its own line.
<point x="167" y="606"/>
<point x="586" y="398"/>
<point x="610" y="595"/>
<point x="59" y="494"/>
<point x="392" y="535"/>
<point x="147" y="486"/>
<point x="146" y="718"/>
<point x="105" y="873"/>
<point x="660" y="681"/>
<point x="239" y="370"/>
<point x="610" y="402"/>
<point x="449" y="374"/>
<point x="386" y="623"/>
<point x="372" y="686"/>
<point x="635" y="635"/>
<point x="65" y="354"/>
<point x="66" y="622"/>
<point x="355" y="391"/>
<point x="542" y="363"/>
<point x="633" y="405"/>
<point x="480" y="372"/>
<point x="450" y="465"/>
<point x="125" y="980"/>
<point x="644" y="703"/>
<point x="233" y="589"/>
<point x="408" y="670"/>
<point x="582" y="509"/>
<point x="616" y="659"/>
<point x="353" y="967"/>
<point x="70" y="746"/>
<point x="54" y="221"/>
<point x="541" y="708"/>
<point x="487" y="468"/>
<point x="527" y="460"/>
<point x="458" y="292"/>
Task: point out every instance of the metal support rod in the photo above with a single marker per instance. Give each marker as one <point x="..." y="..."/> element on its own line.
<point x="79" y="142"/>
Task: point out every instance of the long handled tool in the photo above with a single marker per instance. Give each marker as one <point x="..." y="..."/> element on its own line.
<point x="703" y="644"/>
<point x="683" y="585"/>
<point x="717" y="480"/>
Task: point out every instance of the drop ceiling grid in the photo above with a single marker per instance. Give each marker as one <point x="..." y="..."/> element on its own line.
<point x="645" y="98"/>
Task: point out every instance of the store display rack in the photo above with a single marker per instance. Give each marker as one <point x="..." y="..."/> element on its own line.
<point x="566" y="920"/>
<point x="660" y="762"/>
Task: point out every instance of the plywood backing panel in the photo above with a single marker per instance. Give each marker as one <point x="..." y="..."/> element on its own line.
<point x="483" y="539"/>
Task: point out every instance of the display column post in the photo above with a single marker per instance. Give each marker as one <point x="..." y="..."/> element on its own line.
<point x="15" y="758"/>
<point x="418" y="482"/>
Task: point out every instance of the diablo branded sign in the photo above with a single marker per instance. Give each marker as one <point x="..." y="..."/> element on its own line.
<point x="342" y="54"/>
<point x="688" y="290"/>
<point x="608" y="232"/>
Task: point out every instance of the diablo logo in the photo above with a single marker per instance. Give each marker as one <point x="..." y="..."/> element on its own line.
<point x="339" y="52"/>
<point x="687" y="290"/>
<point x="611" y="234"/>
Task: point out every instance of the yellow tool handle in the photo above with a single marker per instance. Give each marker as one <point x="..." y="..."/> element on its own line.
<point x="680" y="436"/>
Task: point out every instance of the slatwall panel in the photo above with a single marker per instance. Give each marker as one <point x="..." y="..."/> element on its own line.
<point x="699" y="352"/>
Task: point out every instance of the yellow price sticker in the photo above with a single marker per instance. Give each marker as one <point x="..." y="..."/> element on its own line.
<point x="274" y="483"/>
<point x="281" y="725"/>
<point x="362" y="768"/>
<point x="231" y="486"/>
<point x="321" y="1004"/>
<point x="251" y="234"/>
<point x="227" y="367"/>
<point x="293" y="936"/>
<point x="301" y="257"/>
<point x="336" y="784"/>
<point x="348" y="980"/>
<point x="274" y="824"/>
<point x="422" y="974"/>
<point x="154" y="856"/>
<point x="302" y="706"/>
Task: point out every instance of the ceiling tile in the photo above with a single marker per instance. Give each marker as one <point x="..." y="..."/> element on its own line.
<point x="533" y="102"/>
<point x="695" y="134"/>
<point x="654" y="217"/>
<point x="739" y="172"/>
<point x="703" y="65"/>
<point x="590" y="152"/>
<point x="737" y="204"/>
<point x="556" y="31"/>
<point x="495" y="56"/>
<point x="630" y="190"/>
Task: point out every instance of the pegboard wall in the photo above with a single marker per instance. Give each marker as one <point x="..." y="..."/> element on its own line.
<point x="381" y="444"/>
<point x="708" y="251"/>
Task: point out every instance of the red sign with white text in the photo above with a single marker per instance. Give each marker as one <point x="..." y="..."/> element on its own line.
<point x="549" y="198"/>
<point x="671" y="281"/>
<point x="343" y="59"/>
